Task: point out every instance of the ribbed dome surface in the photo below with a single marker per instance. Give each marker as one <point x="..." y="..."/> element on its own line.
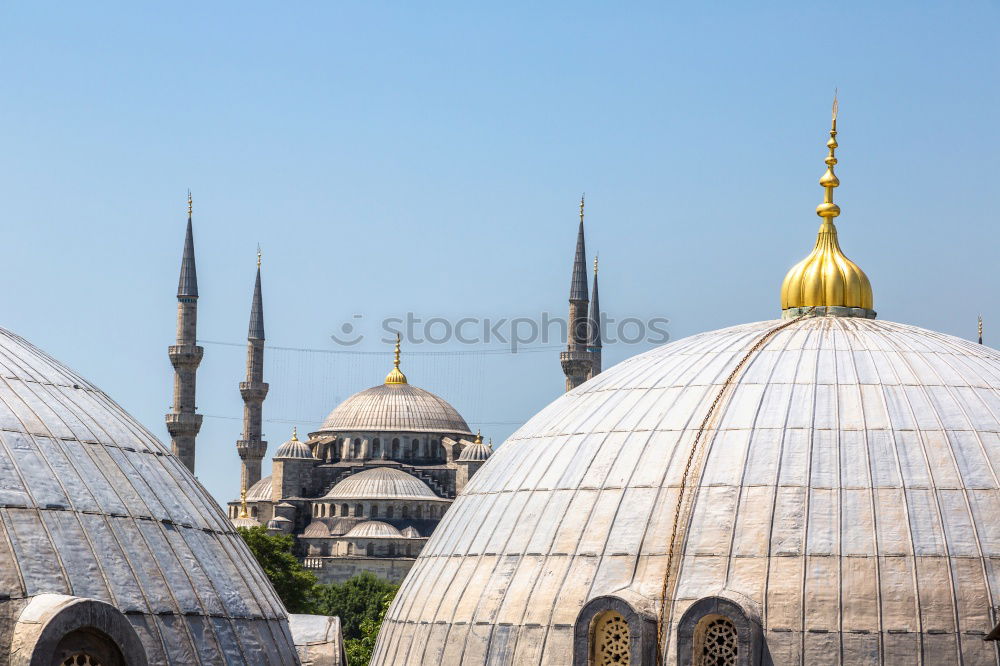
<point x="293" y="448"/>
<point x="260" y="490"/>
<point x="395" y="408"/>
<point x="374" y="528"/>
<point x="846" y="484"/>
<point x="381" y="483"/>
<point x="315" y="529"/>
<point x="475" y="452"/>
<point x="92" y="505"/>
<point x="410" y="532"/>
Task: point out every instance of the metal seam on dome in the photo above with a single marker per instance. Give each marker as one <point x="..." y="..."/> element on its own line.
<point x="712" y="410"/>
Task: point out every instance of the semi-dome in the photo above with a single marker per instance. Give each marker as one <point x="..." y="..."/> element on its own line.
<point x="410" y="532"/>
<point x="374" y="529"/>
<point x="95" y="507"/>
<point x="381" y="483"/>
<point x="842" y="477"/>
<point x="293" y="448"/>
<point x="316" y="529"/>
<point x="260" y="491"/>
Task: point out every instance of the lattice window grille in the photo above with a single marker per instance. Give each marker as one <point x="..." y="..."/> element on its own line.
<point x="81" y="659"/>
<point x="719" y="645"/>
<point x="611" y="640"/>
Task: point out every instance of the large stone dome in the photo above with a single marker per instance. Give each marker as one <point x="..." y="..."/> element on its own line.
<point x="100" y="522"/>
<point x="395" y="408"/>
<point x="832" y="481"/>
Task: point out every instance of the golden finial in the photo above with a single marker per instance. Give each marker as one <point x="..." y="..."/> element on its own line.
<point x="827" y="278"/>
<point x="243" y="504"/>
<point x="581" y="206"/>
<point x="396" y="375"/>
<point x="258" y="255"/>
<point x="479" y="436"/>
<point x="295" y="433"/>
<point x="190" y="204"/>
<point x="595" y="264"/>
<point x="980" y="329"/>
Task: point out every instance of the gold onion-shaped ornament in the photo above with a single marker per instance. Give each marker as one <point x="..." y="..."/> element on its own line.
<point x="827" y="278"/>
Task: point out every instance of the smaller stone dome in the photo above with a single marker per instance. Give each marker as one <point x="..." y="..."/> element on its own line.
<point x="381" y="483"/>
<point x="245" y="521"/>
<point x="410" y="532"/>
<point x="316" y="529"/>
<point x="374" y="529"/>
<point x="476" y="452"/>
<point x="260" y="490"/>
<point x="293" y="448"/>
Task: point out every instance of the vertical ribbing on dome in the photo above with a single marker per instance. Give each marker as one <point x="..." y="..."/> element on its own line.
<point x="827" y="278"/>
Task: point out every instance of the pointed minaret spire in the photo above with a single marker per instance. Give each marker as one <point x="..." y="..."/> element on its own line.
<point x="576" y="361"/>
<point x="980" y="329"/>
<point x="257" y="308"/>
<point x="251" y="446"/>
<point x="183" y="423"/>
<point x="594" y="341"/>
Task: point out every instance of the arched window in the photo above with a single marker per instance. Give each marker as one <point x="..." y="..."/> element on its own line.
<point x="343" y="509"/>
<point x="436" y="448"/>
<point x="356" y="449"/>
<point x="610" y="643"/>
<point x="359" y="510"/>
<point x="716" y="642"/>
<point x="389" y="512"/>
<point x="370" y="549"/>
<point x="415" y="448"/>
<point x="374" y="510"/>
<point x="395" y="447"/>
<point x="406" y="512"/>
<point x="418" y="512"/>
<point x="377" y="448"/>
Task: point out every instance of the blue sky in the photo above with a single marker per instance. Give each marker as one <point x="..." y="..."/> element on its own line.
<point x="428" y="157"/>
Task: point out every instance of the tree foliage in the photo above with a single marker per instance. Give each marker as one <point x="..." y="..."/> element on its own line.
<point x="363" y="597"/>
<point x="294" y="584"/>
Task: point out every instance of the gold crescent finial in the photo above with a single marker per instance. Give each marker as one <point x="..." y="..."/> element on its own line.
<point x="581" y="205"/>
<point x="980" y="329"/>
<point x="396" y="375"/>
<point x="595" y="264"/>
<point x="295" y="433"/>
<point x="258" y="255"/>
<point x="190" y="204"/>
<point x="479" y="436"/>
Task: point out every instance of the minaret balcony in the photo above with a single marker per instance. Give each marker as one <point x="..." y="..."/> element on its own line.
<point x="253" y="391"/>
<point x="185" y="354"/>
<point x="183" y="423"/>
<point x="250" y="449"/>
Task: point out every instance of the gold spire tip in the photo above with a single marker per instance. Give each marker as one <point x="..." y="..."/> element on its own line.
<point x="595" y="264"/>
<point x="243" y="503"/>
<point x="190" y="204"/>
<point x="581" y="205"/>
<point x="295" y="433"/>
<point x="479" y="436"/>
<point x="258" y="255"/>
<point x="396" y="375"/>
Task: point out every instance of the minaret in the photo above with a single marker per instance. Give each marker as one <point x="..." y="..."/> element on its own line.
<point x="576" y="360"/>
<point x="250" y="446"/>
<point x="182" y="421"/>
<point x="594" y="342"/>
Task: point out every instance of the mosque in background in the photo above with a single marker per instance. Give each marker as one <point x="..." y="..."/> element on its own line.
<point x="366" y="490"/>
<point x="817" y="489"/>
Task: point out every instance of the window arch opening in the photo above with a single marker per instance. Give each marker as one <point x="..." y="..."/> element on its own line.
<point x="610" y="641"/>
<point x="716" y="642"/>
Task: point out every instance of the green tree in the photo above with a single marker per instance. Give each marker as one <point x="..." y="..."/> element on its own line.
<point x="363" y="597"/>
<point x="359" y="650"/>
<point x="294" y="584"/>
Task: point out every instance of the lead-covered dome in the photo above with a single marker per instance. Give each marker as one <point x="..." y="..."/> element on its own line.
<point x="833" y="477"/>
<point x="94" y="506"/>
<point x="395" y="408"/>
<point x="294" y="449"/>
<point x="374" y="529"/>
<point x="381" y="483"/>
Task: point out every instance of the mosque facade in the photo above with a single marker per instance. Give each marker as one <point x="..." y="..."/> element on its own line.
<point x="816" y="489"/>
